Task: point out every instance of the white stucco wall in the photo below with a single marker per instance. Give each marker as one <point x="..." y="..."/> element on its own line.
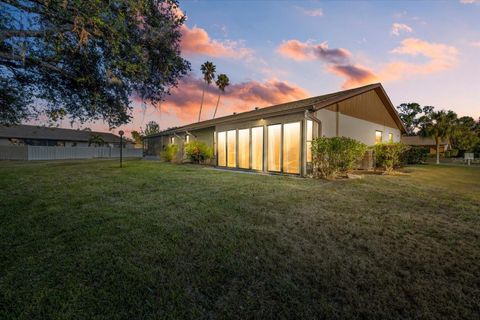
<point x="355" y="128"/>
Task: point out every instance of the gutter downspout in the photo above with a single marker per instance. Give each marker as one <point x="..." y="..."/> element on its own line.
<point x="310" y="116"/>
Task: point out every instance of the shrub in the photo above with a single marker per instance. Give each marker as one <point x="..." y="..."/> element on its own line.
<point x="389" y="155"/>
<point x="332" y="156"/>
<point x="198" y="151"/>
<point x="169" y="153"/>
<point x="415" y="155"/>
<point x="452" y="153"/>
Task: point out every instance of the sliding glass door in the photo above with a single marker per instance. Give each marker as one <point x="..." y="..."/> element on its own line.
<point x="244" y="148"/>
<point x="291" y="147"/>
<point x="222" y="151"/>
<point x="257" y="148"/>
<point x="232" y="148"/>
<point x="274" y="146"/>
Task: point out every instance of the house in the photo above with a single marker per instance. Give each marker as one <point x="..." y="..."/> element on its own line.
<point x="49" y="136"/>
<point x="426" y="142"/>
<point x="277" y="139"/>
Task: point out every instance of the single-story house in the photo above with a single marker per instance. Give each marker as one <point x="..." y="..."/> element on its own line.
<point x="426" y="142"/>
<point x="277" y="139"/>
<point x="50" y="136"/>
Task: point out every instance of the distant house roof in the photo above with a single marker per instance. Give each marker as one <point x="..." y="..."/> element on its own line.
<point x="313" y="104"/>
<point x="49" y="133"/>
<point x="421" y="141"/>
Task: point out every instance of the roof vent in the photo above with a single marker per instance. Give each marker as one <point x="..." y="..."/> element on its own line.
<point x="234" y="113"/>
<point x="256" y="108"/>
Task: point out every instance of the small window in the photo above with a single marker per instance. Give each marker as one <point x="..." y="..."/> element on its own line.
<point x="378" y="137"/>
<point x="172" y="140"/>
<point x="390" y="137"/>
<point x="187" y="138"/>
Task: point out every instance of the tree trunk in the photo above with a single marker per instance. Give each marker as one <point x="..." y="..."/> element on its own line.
<point x="201" y="103"/>
<point x="216" y="107"/>
<point x="437" y="141"/>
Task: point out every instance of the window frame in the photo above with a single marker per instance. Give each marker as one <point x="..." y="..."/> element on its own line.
<point x="281" y="147"/>
<point x="299" y="147"/>
<point x="381" y="136"/>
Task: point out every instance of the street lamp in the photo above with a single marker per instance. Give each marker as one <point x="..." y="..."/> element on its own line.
<point x="121" y="146"/>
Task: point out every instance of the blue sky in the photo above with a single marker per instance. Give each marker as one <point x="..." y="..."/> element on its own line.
<point x="277" y="51"/>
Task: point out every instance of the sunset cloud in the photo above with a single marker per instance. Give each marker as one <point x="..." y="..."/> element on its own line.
<point x="298" y="50"/>
<point x="397" y="28"/>
<point x="355" y="75"/>
<point x="340" y="62"/>
<point x="196" y="41"/>
<point x="184" y="101"/>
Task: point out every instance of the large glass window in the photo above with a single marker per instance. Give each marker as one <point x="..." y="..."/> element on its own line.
<point x="231" y="148"/>
<point x="378" y="137"/>
<point x="244" y="148"/>
<point x="291" y="147"/>
<point x="274" y="144"/>
<point x="257" y="148"/>
<point x="222" y="153"/>
<point x="309" y="140"/>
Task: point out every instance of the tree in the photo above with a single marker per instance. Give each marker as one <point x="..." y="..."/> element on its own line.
<point x="440" y="125"/>
<point x="151" y="128"/>
<point x="222" y="82"/>
<point x="137" y="137"/>
<point x="465" y="137"/>
<point x="96" y="140"/>
<point x="409" y="113"/>
<point x="85" y="59"/>
<point x="208" y="71"/>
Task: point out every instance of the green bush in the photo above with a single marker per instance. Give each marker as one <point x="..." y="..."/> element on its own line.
<point x="415" y="155"/>
<point x="332" y="156"/>
<point x="198" y="151"/>
<point x="389" y="155"/>
<point x="452" y="153"/>
<point x="169" y="153"/>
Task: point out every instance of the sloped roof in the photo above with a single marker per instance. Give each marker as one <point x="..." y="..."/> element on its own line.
<point x="421" y="141"/>
<point x="49" y="133"/>
<point x="313" y="104"/>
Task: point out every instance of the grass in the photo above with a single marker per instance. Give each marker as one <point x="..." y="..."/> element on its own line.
<point x="86" y="240"/>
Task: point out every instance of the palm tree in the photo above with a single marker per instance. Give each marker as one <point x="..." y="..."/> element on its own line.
<point x="440" y="125"/>
<point x="222" y="82"/>
<point x="208" y="71"/>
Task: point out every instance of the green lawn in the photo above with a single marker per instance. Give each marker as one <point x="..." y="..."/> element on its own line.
<point x="87" y="240"/>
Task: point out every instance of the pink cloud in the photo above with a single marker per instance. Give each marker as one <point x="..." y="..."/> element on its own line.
<point x="196" y="41"/>
<point x="298" y="50"/>
<point x="439" y="57"/>
<point x="184" y="101"/>
<point x="355" y="75"/>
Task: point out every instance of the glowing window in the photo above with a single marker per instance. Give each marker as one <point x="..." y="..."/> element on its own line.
<point x="244" y="148"/>
<point x="222" y="152"/>
<point x="274" y="146"/>
<point x="378" y="137"/>
<point x="231" y="148"/>
<point x="309" y="140"/>
<point x="257" y="148"/>
<point x="291" y="147"/>
<point x="390" y="137"/>
<point x="172" y="140"/>
<point x="187" y="138"/>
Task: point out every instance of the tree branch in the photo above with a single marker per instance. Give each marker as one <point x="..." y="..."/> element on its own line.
<point x="33" y="61"/>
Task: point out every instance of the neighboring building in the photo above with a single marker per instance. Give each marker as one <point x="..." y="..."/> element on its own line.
<point x="277" y="139"/>
<point x="48" y="136"/>
<point x="426" y="142"/>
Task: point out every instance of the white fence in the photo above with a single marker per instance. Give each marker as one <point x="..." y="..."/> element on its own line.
<point x="64" y="153"/>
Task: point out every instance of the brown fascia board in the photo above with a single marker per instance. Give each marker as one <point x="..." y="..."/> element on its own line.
<point x="285" y="108"/>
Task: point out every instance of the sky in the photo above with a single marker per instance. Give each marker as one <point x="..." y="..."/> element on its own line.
<point x="279" y="51"/>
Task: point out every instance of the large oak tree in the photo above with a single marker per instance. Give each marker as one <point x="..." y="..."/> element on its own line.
<point x="86" y="59"/>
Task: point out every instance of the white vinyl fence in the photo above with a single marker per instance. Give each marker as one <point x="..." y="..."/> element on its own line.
<point x="64" y="153"/>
